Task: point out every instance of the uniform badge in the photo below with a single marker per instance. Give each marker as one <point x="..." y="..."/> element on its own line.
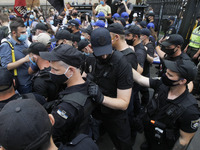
<point x="62" y="113"/>
<point x="90" y="68"/>
<point x="195" y="124"/>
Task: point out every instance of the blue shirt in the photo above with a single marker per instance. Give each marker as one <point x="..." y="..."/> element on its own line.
<point x="6" y="58"/>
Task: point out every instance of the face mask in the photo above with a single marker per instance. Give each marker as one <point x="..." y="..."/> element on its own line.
<point x="87" y="54"/>
<point x="130" y="42"/>
<point x="125" y="0"/>
<point x="42" y="21"/>
<point x="92" y="21"/>
<point x="166" y="81"/>
<point x="82" y="37"/>
<point x="150" y="11"/>
<point x="59" y="79"/>
<point x="102" y="2"/>
<point x="51" y="22"/>
<point x="169" y="52"/>
<point x="69" y="29"/>
<point x="31" y="17"/>
<point x="22" y="37"/>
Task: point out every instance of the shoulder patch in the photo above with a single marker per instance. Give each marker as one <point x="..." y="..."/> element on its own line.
<point x="62" y="113"/>
<point x="195" y="123"/>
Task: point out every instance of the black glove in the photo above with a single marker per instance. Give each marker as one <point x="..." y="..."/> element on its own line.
<point x="95" y="93"/>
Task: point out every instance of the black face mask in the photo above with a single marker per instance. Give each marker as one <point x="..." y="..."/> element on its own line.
<point x="58" y="79"/>
<point x="69" y="29"/>
<point x="130" y="42"/>
<point x="103" y="61"/>
<point x="168" y="82"/>
<point x="169" y="52"/>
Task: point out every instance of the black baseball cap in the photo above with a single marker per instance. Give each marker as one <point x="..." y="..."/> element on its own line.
<point x="35" y="48"/>
<point x="87" y="30"/>
<point x="101" y="42"/>
<point x="171" y="18"/>
<point x="122" y="20"/>
<point x="116" y="28"/>
<point x="24" y="125"/>
<point x="65" y="53"/>
<point x="173" y="39"/>
<point x="41" y="26"/>
<point x="62" y="34"/>
<point x="186" y="68"/>
<point x="82" y="44"/>
<point x="133" y="29"/>
<point x="145" y="31"/>
<point x="6" y="79"/>
<point x="73" y="23"/>
<point x="143" y="24"/>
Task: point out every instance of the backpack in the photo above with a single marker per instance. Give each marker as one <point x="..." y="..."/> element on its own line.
<point x="3" y="32"/>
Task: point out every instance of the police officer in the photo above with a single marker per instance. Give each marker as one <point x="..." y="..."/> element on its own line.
<point x="171" y="50"/>
<point x="42" y="84"/>
<point x="171" y="28"/>
<point x="119" y="43"/>
<point x="33" y="122"/>
<point x="74" y="106"/>
<point x="7" y="89"/>
<point x="113" y="75"/>
<point x="172" y="114"/>
<point x="193" y="48"/>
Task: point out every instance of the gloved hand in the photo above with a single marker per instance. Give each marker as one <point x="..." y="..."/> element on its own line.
<point x="95" y="93"/>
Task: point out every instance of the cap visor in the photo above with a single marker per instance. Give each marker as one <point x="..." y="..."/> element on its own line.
<point x="49" y="56"/>
<point x="97" y="16"/>
<point x="166" y="43"/>
<point x="171" y="65"/>
<point x="53" y="40"/>
<point x="126" y="32"/>
<point x="102" y="50"/>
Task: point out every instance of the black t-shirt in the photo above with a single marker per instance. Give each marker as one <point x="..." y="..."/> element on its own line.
<point x="81" y="142"/>
<point x="116" y="74"/>
<point x="150" y="52"/>
<point x="189" y="120"/>
<point x="131" y="57"/>
<point x="71" y="117"/>
<point x="43" y="85"/>
<point x="4" y="102"/>
<point x="122" y="8"/>
<point x="141" y="54"/>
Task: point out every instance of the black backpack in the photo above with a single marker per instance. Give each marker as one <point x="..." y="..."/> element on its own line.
<point x="3" y="32"/>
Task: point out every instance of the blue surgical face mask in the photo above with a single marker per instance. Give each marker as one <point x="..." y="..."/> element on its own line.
<point x="51" y="22"/>
<point x="102" y="2"/>
<point x="125" y="0"/>
<point x="22" y="37"/>
<point x="82" y="37"/>
<point x="87" y="54"/>
<point x="31" y="17"/>
<point x="42" y="21"/>
<point x="92" y="21"/>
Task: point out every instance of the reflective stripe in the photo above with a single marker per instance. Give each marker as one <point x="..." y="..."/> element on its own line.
<point x="13" y="56"/>
<point x="198" y="34"/>
<point x="195" y="42"/>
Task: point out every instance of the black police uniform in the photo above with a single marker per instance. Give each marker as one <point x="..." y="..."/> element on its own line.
<point x="182" y="56"/>
<point x="170" y="30"/>
<point x="72" y="113"/>
<point x="43" y="85"/>
<point x="110" y="76"/>
<point x="166" y="117"/>
<point x="141" y="54"/>
<point x="130" y="57"/>
<point x="81" y="142"/>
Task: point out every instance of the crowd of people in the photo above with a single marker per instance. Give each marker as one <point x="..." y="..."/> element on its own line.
<point x="68" y="78"/>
